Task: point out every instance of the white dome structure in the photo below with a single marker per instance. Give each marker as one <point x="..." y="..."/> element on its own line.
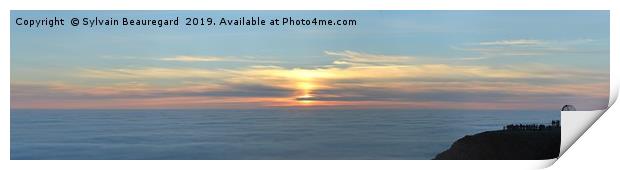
<point x="569" y="108"/>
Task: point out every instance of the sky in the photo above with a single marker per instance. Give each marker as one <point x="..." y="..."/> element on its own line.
<point x="390" y="59"/>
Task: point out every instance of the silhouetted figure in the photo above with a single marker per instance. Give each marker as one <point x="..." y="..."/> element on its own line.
<point x="555" y="123"/>
<point x="524" y="127"/>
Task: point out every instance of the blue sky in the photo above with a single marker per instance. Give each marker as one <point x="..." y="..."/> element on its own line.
<point x="533" y="50"/>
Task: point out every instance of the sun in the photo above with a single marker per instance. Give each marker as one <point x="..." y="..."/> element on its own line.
<point x="306" y="83"/>
<point x="305" y="99"/>
<point x="305" y="93"/>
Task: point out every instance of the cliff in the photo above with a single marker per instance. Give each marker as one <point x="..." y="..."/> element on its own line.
<point x="506" y="145"/>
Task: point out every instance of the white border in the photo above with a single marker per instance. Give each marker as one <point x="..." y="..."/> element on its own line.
<point x="586" y="153"/>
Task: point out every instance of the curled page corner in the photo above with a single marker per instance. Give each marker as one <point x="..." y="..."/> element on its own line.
<point x="574" y="124"/>
<point x="542" y="164"/>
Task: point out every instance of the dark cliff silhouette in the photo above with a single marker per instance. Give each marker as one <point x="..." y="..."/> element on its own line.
<point x="514" y="142"/>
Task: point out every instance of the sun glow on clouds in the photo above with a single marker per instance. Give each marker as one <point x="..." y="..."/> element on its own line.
<point x="305" y="89"/>
<point x="354" y="80"/>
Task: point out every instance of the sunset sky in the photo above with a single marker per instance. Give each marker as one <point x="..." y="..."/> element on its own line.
<point x="390" y="59"/>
